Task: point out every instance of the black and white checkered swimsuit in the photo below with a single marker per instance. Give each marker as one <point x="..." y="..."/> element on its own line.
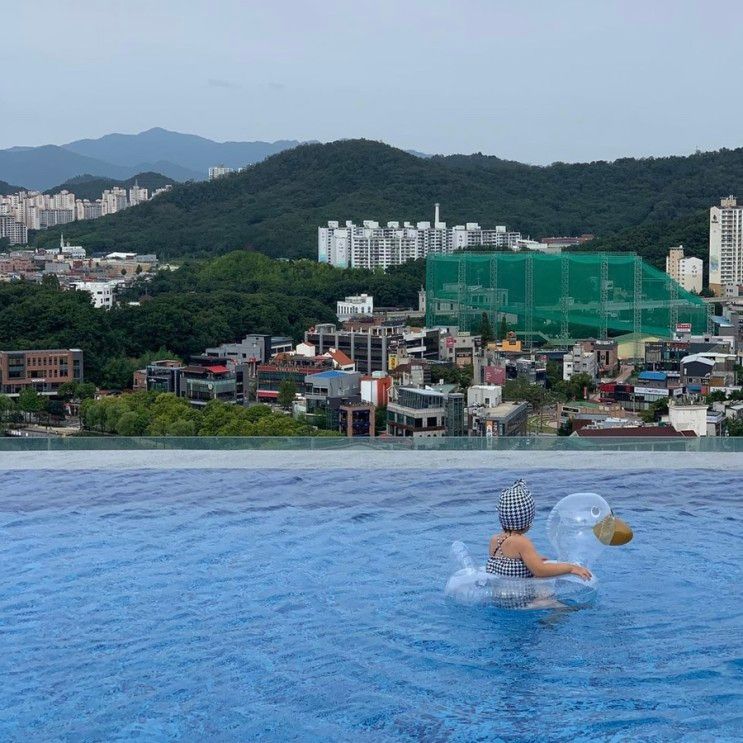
<point x="511" y="567"/>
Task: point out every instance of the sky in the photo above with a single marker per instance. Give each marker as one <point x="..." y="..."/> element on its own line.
<point x="537" y="81"/>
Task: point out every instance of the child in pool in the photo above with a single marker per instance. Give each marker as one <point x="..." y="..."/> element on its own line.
<point x="511" y="553"/>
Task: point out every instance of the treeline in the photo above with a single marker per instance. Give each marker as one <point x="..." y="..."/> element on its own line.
<point x="182" y="312"/>
<point x="652" y="241"/>
<point x="165" y="414"/>
<point x="276" y="206"/>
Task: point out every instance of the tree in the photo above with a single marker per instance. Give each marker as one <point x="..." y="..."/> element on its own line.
<point x="503" y="329"/>
<point x="6" y="407"/>
<point x="734" y="427"/>
<point x="139" y="269"/>
<point x="287" y="392"/>
<point x="486" y="329"/>
<point x="380" y="419"/>
<point x="30" y="401"/>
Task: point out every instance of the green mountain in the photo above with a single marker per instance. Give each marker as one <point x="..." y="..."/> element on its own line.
<point x="276" y="206"/>
<point x="6" y="188"/>
<point x="91" y="187"/>
<point x="651" y="241"/>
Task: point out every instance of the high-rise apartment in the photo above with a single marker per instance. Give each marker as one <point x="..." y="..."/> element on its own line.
<point x="725" y="245"/>
<point x="373" y="246"/>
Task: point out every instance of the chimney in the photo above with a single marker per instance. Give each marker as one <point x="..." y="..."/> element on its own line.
<point x="436" y="217"/>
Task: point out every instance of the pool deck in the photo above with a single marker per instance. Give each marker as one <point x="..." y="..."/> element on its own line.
<point x="368" y="460"/>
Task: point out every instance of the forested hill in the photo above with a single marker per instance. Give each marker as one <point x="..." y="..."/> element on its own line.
<point x="276" y="206"/>
<point x="91" y="187"/>
<point x="651" y="241"/>
<point x="6" y="188"/>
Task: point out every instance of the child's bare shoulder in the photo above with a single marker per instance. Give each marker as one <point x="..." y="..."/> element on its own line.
<point x="521" y="540"/>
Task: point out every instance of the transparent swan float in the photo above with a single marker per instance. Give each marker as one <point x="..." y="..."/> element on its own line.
<point x="580" y="527"/>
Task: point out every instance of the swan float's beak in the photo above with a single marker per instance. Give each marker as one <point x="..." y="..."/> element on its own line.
<point x="613" y="531"/>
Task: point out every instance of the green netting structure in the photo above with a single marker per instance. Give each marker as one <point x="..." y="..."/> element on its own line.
<point x="558" y="297"/>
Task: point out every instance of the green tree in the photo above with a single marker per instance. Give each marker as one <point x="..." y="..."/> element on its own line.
<point x="734" y="427"/>
<point x="503" y="329"/>
<point x="30" y="401"/>
<point x="7" y="406"/>
<point x="287" y="392"/>
<point x="380" y="419"/>
<point x="486" y="329"/>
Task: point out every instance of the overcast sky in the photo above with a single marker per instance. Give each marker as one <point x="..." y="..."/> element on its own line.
<point x="536" y="80"/>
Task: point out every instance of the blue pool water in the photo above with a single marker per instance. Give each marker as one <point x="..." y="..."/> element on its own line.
<point x="241" y="605"/>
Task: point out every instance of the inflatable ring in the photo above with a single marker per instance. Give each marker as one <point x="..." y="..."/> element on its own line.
<point x="579" y="527"/>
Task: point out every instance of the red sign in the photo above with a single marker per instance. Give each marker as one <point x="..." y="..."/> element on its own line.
<point x="494" y="375"/>
<point x="451" y="342"/>
<point x="683" y="327"/>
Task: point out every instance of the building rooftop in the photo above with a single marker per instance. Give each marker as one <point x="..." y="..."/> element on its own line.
<point x="654" y="376"/>
<point x="329" y="374"/>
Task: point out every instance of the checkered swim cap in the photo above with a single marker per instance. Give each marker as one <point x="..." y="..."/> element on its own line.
<point x="516" y="507"/>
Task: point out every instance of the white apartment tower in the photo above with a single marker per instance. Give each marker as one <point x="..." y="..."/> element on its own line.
<point x="373" y="246"/>
<point x="725" y="245"/>
<point x="688" y="272"/>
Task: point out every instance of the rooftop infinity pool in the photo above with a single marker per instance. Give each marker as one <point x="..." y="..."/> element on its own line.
<point x="235" y="605"/>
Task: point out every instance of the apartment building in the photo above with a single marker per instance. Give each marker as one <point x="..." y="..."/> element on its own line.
<point x="217" y="171"/>
<point x="41" y="370"/>
<point x="725" y="245"/>
<point x="15" y="232"/>
<point x="370" y="245"/>
<point x="688" y="272"/>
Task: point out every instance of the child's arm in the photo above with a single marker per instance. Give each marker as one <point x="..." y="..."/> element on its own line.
<point x="541" y="569"/>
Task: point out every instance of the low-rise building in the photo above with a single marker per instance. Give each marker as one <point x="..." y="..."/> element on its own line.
<point x="357" y="419"/>
<point x="360" y="304"/>
<point x="202" y="382"/>
<point x="504" y="419"/>
<point x="579" y="361"/>
<point x="326" y="391"/>
<point x="286" y="367"/>
<point x="688" y="416"/>
<point x="42" y="370"/>
<point x="375" y="388"/>
<point x="484" y="395"/>
<point x="425" y="412"/>
<point x="102" y="293"/>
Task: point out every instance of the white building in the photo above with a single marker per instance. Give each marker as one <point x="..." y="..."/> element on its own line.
<point x="15" y="232"/>
<point x="138" y="195"/>
<point x="373" y="246"/>
<point x="361" y="304"/>
<point x="725" y="245"/>
<point x="484" y="395"/>
<point x="579" y="361"/>
<point x="217" y="171"/>
<point x="71" y="251"/>
<point x="688" y="272"/>
<point x="102" y="292"/>
<point x="688" y="417"/>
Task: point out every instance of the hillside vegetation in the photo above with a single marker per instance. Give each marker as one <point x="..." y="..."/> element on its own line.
<point x="276" y="206"/>
<point x="183" y="312"/>
<point x="91" y="187"/>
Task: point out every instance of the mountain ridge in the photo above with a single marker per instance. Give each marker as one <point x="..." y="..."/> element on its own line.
<point x="276" y="206"/>
<point x="181" y="157"/>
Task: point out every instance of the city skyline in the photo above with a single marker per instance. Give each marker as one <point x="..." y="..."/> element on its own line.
<point x="536" y="84"/>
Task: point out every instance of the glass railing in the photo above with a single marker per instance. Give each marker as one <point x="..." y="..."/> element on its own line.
<point x="711" y="444"/>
